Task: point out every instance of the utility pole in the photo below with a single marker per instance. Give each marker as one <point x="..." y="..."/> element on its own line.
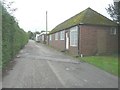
<point x="46" y="22"/>
<point x="46" y="27"/>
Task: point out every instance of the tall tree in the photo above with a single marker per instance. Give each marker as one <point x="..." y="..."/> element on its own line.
<point x="8" y="6"/>
<point x="114" y="11"/>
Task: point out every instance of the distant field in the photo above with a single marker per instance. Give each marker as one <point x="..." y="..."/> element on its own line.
<point x="107" y="63"/>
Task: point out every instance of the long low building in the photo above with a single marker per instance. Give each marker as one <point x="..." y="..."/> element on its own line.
<point x="87" y="33"/>
<point x="43" y="37"/>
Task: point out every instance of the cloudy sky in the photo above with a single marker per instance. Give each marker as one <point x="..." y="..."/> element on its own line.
<point x="31" y="13"/>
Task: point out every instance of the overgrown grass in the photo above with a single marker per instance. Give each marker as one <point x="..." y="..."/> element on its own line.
<point x="107" y="63"/>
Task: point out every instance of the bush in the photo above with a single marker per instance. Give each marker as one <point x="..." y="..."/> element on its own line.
<point x="13" y="37"/>
<point x="0" y="37"/>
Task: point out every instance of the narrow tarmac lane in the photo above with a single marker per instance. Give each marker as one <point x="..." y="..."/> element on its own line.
<point x="38" y="66"/>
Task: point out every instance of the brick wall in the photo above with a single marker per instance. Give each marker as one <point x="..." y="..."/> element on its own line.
<point x="112" y="42"/>
<point x="88" y="41"/>
<point x="58" y="44"/>
<point x="97" y="40"/>
<point x="93" y="40"/>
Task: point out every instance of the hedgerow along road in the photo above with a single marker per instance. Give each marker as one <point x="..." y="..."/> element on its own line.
<point x="39" y="66"/>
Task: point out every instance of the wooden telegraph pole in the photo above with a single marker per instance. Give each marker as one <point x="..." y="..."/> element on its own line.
<point x="46" y="26"/>
<point x="46" y="22"/>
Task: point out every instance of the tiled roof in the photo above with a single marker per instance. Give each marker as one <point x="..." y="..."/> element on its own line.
<point x="88" y="16"/>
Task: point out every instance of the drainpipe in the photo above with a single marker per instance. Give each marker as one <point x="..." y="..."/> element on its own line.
<point x="78" y="40"/>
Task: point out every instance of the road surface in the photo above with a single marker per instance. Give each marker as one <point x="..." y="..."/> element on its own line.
<point x="39" y="66"/>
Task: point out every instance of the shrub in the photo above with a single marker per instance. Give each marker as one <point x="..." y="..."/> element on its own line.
<point x="13" y="37"/>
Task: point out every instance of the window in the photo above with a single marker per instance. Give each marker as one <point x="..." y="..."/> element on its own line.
<point x="113" y="31"/>
<point x="56" y="36"/>
<point x="62" y="35"/>
<point x="50" y="37"/>
<point x="74" y="36"/>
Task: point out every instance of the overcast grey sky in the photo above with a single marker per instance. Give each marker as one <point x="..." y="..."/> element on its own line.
<point x="31" y="13"/>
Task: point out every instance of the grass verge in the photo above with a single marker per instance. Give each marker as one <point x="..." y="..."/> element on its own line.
<point x="107" y="63"/>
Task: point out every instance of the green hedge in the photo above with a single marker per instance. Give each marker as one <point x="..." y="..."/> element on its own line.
<point x="0" y="36"/>
<point x="13" y="37"/>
